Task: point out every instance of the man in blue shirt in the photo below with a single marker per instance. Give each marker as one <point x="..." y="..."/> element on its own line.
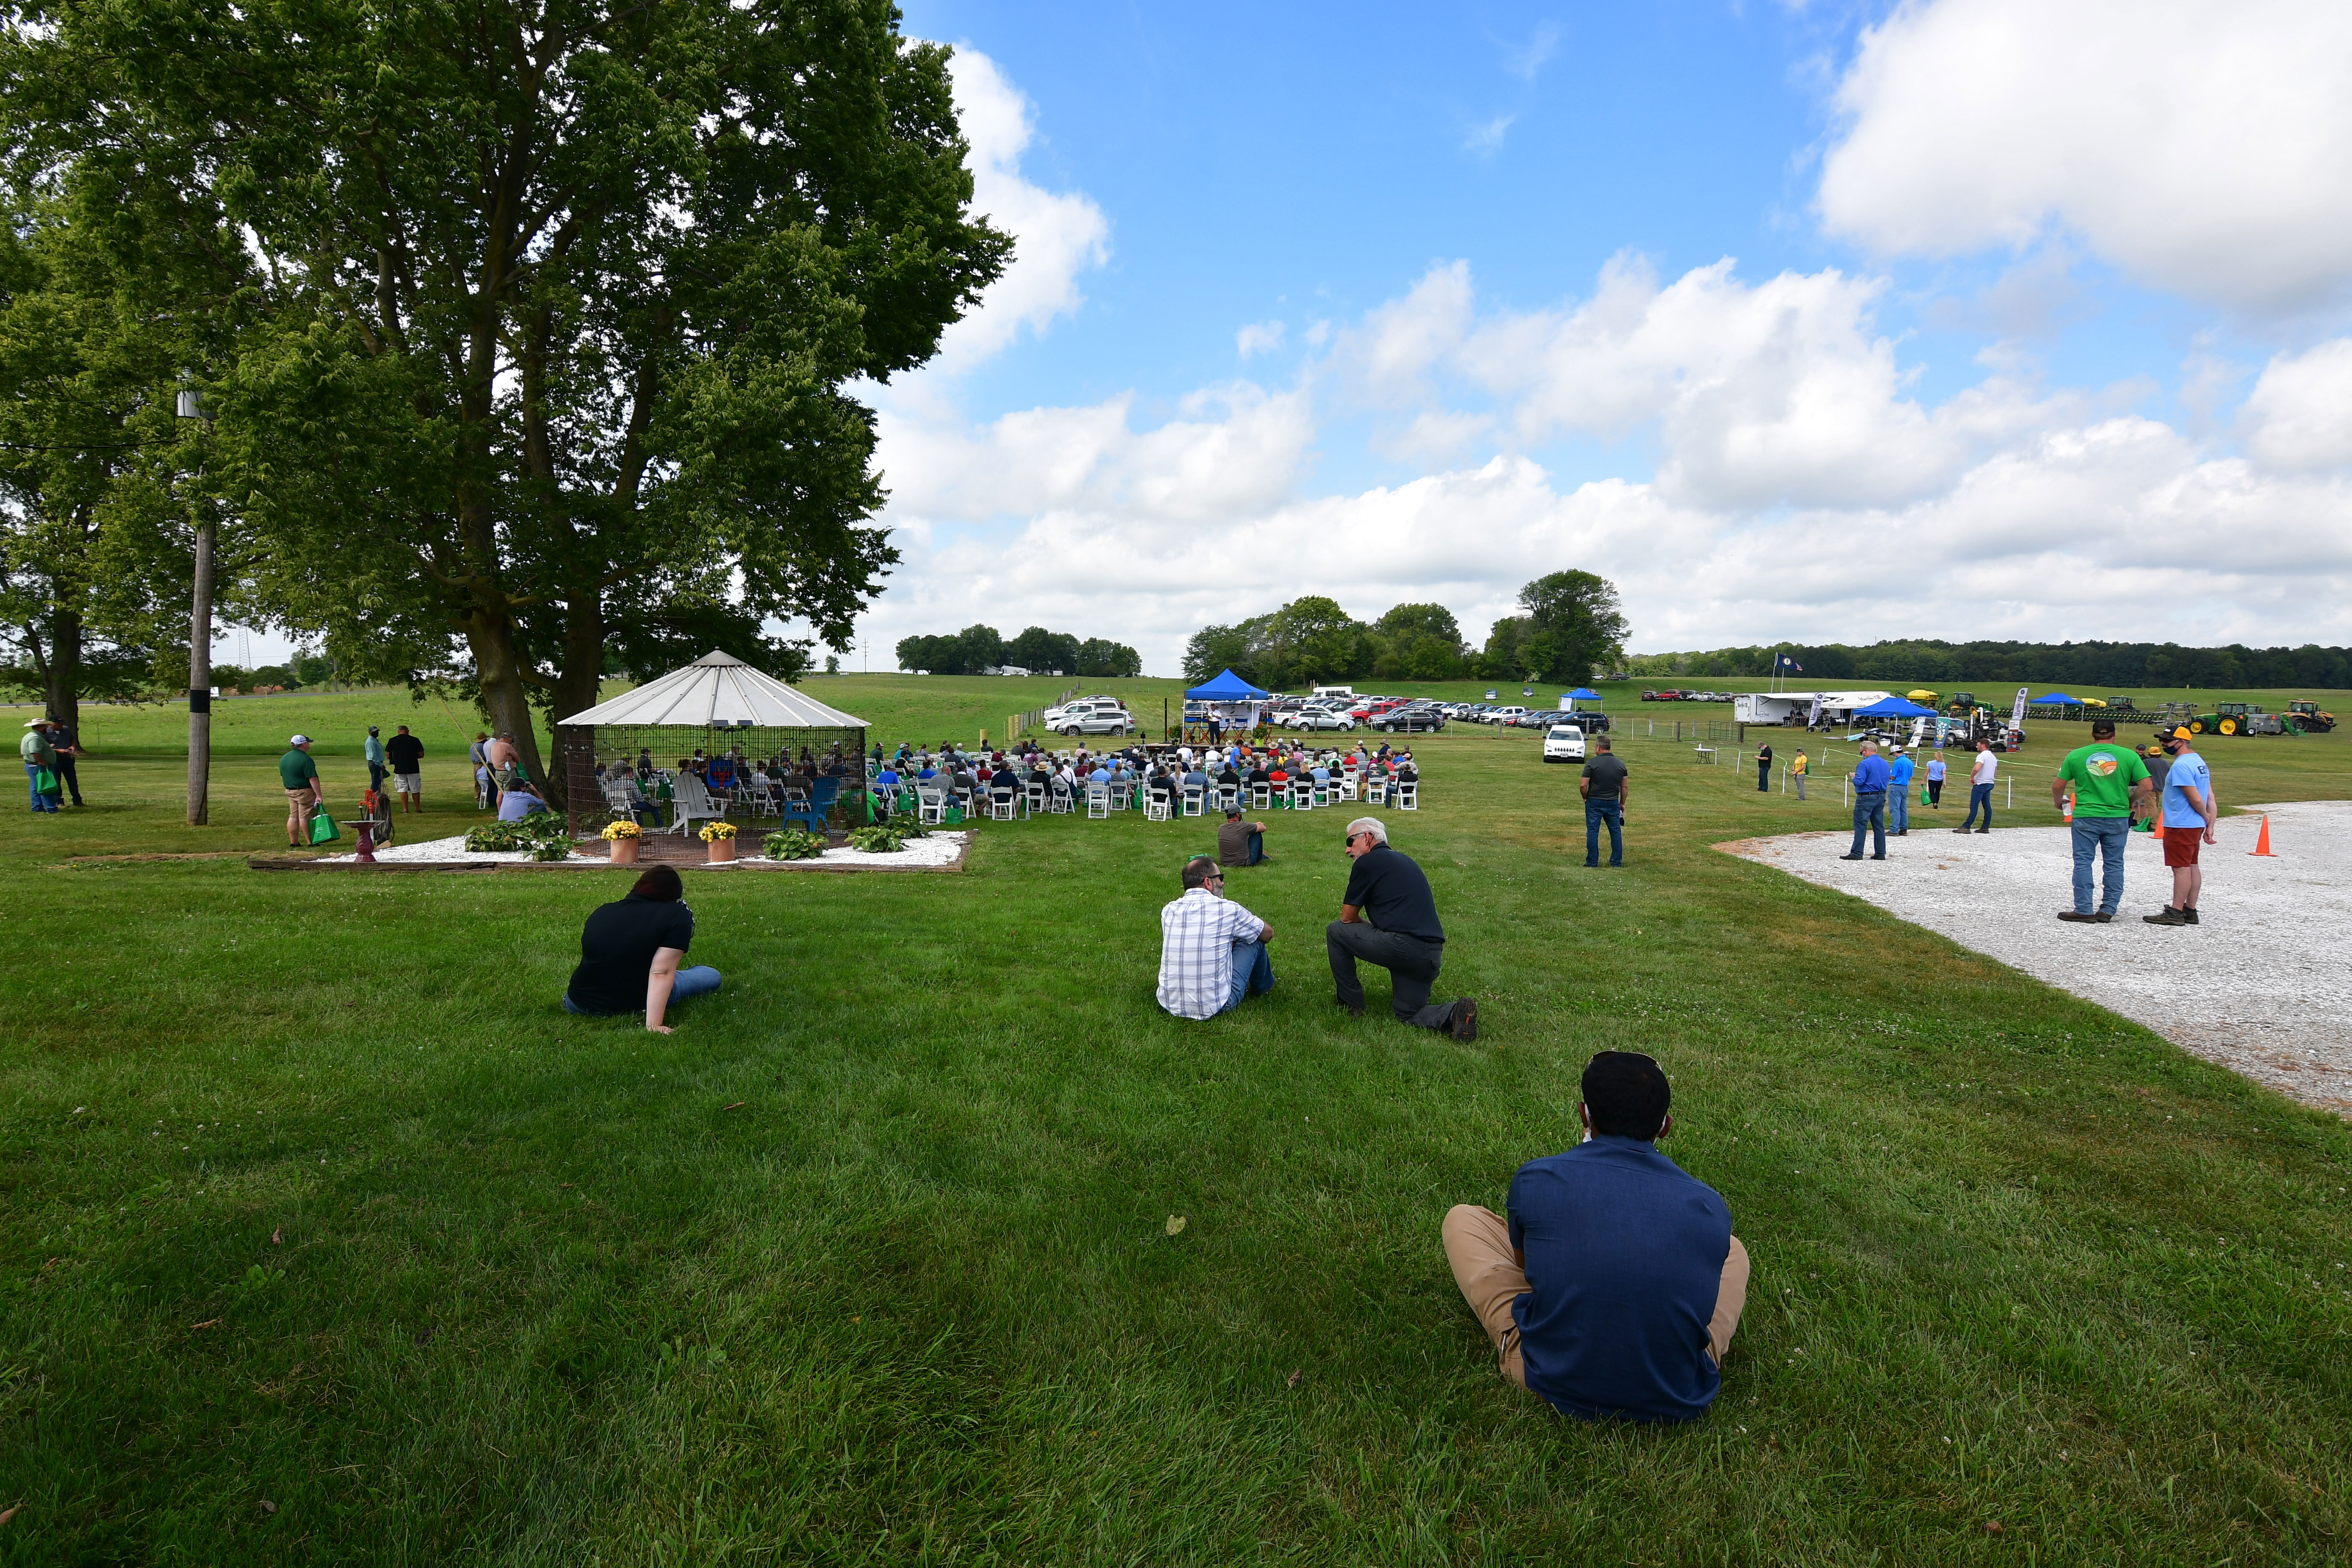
<point x="1898" y="792"/>
<point x="2188" y="817"/>
<point x="1616" y="1284"/>
<point x="1870" y="779"/>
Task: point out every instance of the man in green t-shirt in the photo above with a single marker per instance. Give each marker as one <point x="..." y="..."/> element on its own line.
<point x="300" y="775"/>
<point x="2106" y="780"/>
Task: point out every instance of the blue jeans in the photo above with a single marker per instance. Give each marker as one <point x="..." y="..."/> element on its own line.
<point x="1869" y="815"/>
<point x="1253" y="973"/>
<point x="699" y="980"/>
<point x="33" y="785"/>
<point x="2105" y="836"/>
<point x="1898" y="807"/>
<point x="1979" y="795"/>
<point x="1257" y="851"/>
<point x="1596" y="812"/>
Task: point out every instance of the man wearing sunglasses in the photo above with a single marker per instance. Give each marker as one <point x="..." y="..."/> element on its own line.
<point x="1389" y="917"/>
<point x="1211" y="953"/>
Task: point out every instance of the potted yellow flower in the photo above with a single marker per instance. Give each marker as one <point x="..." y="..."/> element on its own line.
<point x="721" y="837"/>
<point x="623" y="836"/>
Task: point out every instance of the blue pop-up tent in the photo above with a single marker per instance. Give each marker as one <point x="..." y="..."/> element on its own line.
<point x="2058" y="699"/>
<point x="1894" y="707"/>
<point x="1227" y="687"/>
<point x="1582" y="694"/>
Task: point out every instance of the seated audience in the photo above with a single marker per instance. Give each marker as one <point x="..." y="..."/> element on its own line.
<point x="1211" y="953"/>
<point x="629" y="953"/>
<point x="1615" y="1284"/>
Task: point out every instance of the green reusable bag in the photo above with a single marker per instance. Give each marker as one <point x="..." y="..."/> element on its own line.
<point x="323" y="829"/>
<point x="44" y="782"/>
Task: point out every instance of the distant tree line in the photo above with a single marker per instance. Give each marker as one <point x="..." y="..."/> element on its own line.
<point x="977" y="649"/>
<point x="1571" y="623"/>
<point x="2088" y="665"/>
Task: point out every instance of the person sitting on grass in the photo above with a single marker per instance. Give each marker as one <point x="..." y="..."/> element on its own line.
<point x="1615" y="1284"/>
<point x="1211" y="953"/>
<point x="629" y="953"/>
<point x="1241" y="843"/>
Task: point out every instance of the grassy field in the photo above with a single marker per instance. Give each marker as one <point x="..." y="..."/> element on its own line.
<point x="329" y="1237"/>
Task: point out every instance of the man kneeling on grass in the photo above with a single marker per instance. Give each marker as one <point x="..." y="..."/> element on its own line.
<point x="1615" y="1285"/>
<point x="629" y="953"/>
<point x="1211" y="953"/>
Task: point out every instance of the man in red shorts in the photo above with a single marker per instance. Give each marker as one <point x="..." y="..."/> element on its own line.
<point x="2189" y="815"/>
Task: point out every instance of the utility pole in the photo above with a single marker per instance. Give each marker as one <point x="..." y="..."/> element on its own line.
<point x="200" y="653"/>
<point x="200" y="683"/>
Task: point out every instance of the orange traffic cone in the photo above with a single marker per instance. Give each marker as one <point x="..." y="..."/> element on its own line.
<point x="2070" y="807"/>
<point x="2263" y="842"/>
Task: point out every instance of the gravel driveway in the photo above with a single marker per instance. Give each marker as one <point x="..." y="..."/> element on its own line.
<point x="2264" y="987"/>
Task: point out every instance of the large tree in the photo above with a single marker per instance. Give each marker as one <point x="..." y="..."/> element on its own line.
<point x="1574" y="624"/>
<point x="564" y="297"/>
<point x="100" y="481"/>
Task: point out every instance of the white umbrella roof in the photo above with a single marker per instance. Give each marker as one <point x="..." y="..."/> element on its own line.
<point x="717" y="689"/>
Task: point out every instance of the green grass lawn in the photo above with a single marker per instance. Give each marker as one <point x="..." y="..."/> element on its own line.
<point x="312" y="1195"/>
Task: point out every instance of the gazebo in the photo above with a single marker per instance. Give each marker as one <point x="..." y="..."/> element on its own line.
<point x="713" y="703"/>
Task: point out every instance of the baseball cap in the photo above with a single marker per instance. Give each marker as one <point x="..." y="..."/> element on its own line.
<point x="374" y="730"/>
<point x="299" y="740"/>
<point x="2180" y="734"/>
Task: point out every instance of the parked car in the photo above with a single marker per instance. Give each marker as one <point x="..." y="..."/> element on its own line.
<point x="1097" y="722"/>
<point x="1321" y="719"/>
<point x="1563" y="744"/>
<point x="1410" y="721"/>
<point x="1511" y="714"/>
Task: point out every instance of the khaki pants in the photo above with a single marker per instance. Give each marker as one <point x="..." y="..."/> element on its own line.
<point x="1478" y="1246"/>
<point x="300" y="803"/>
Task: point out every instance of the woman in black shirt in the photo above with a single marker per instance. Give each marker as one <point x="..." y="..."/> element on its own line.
<point x="629" y="952"/>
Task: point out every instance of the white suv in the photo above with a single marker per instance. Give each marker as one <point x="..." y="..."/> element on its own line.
<point x="1563" y="744"/>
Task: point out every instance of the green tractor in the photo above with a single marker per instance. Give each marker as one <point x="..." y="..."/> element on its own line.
<point x="2244" y="719"/>
<point x="2309" y="718"/>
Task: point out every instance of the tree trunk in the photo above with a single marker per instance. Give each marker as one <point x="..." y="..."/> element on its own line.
<point x="62" y="689"/>
<point x="490" y="633"/>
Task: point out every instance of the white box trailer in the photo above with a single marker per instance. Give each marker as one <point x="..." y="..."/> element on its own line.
<point x="1779" y="707"/>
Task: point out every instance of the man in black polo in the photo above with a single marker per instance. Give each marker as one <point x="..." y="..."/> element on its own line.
<point x="406" y="754"/>
<point x="1389" y="917"/>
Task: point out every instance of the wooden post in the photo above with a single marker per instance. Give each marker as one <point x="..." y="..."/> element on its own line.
<point x="200" y="684"/>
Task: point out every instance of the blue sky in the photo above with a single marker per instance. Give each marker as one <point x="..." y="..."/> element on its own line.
<point x="1802" y="322"/>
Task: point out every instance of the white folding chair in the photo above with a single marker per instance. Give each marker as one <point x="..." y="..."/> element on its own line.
<point x="930" y="806"/>
<point x="1000" y="803"/>
<point x="1378" y="791"/>
<point x="1122" y="794"/>
<point x="1261" y="797"/>
<point x="1194" y="800"/>
<point x="1347" y="786"/>
<point x="1035" y="794"/>
<point x="1098" y="801"/>
<point x="1058" y="799"/>
<point x="1155" y="805"/>
<point x="1228" y="797"/>
<point x="1302" y="794"/>
<point x="1408" y="797"/>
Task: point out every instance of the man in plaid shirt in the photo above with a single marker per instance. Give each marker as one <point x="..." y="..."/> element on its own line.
<point x="1211" y="953"/>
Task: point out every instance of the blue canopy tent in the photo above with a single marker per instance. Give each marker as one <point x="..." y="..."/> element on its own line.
<point x="1232" y="702"/>
<point x="1894" y="707"/>
<point x="1227" y="687"/>
<point x="1581" y="694"/>
<point x="2058" y="699"/>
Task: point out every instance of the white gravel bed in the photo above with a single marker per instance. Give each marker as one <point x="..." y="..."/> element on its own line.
<point x="437" y="851"/>
<point x="931" y="853"/>
<point x="2261" y="986"/>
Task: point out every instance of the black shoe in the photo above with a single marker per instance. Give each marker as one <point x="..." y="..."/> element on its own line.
<point x="1984" y="830"/>
<point x="2071" y="915"/>
<point x="1851" y="856"/>
<point x="1463" y="1022"/>
<point x="1355" y="1012"/>
<point x="1593" y="865"/>
<point x="2170" y="917"/>
<point x="1878" y="857"/>
<point x="2103" y="916"/>
<point x="2189" y="915"/>
<point x="1964" y="831"/>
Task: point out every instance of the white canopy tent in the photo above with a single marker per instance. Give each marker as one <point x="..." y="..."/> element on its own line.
<point x="717" y="691"/>
<point x="715" y="702"/>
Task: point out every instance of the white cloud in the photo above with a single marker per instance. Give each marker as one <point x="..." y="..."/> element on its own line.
<point x="1486" y="136"/>
<point x="1525" y="59"/>
<point x="1055" y="237"/>
<point x="1258" y="338"/>
<point x="2299" y="416"/>
<point x="2202" y="144"/>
